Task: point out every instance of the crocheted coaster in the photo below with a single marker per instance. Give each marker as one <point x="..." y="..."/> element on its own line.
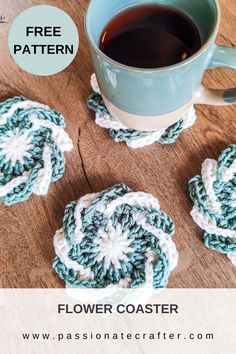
<point x="116" y="238"/>
<point x="214" y="197"/>
<point x="32" y="141"/>
<point x="133" y="138"/>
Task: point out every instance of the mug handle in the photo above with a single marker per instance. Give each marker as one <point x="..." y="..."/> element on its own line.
<point x="221" y="57"/>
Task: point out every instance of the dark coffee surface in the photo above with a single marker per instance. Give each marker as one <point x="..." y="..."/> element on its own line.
<point x="150" y="36"/>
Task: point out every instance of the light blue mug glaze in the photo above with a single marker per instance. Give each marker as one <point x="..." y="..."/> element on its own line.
<point x="157" y="93"/>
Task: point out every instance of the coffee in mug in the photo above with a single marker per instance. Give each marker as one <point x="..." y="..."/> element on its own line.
<point x="150" y="36"/>
<point x="153" y="84"/>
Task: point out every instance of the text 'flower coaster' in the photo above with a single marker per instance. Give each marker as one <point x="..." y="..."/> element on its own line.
<point x="214" y="197"/>
<point x="32" y="142"/>
<point x="115" y="239"/>
<point x="134" y="138"/>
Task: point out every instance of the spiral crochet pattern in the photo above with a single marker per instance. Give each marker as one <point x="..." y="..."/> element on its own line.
<point x="32" y="142"/>
<point x="133" y="138"/>
<point x="115" y="239"/>
<point x="214" y="197"/>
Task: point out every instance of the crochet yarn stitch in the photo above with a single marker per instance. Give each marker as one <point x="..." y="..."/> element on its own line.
<point x="214" y="197"/>
<point x="32" y="142"/>
<point x="133" y="138"/>
<point x="115" y="239"/>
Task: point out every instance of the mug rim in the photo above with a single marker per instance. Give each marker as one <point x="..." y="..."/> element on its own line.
<point x="113" y="62"/>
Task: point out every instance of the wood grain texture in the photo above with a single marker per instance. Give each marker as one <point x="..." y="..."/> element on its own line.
<point x="96" y="163"/>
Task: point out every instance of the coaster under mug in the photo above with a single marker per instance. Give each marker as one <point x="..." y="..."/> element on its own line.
<point x="134" y="138"/>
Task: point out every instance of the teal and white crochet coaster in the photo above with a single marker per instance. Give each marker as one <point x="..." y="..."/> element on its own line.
<point x="32" y="142"/>
<point x="115" y="239"/>
<point x="214" y="196"/>
<point x="133" y="138"/>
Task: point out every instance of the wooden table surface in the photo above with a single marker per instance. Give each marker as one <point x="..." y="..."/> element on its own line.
<point x="96" y="163"/>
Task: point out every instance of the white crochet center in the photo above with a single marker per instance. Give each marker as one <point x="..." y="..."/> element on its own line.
<point x="114" y="245"/>
<point x="15" y="147"/>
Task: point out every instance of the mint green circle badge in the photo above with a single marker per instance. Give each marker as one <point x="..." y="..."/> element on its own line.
<point x="43" y="40"/>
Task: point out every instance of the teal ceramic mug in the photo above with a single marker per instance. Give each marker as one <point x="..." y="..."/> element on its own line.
<point x="151" y="99"/>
